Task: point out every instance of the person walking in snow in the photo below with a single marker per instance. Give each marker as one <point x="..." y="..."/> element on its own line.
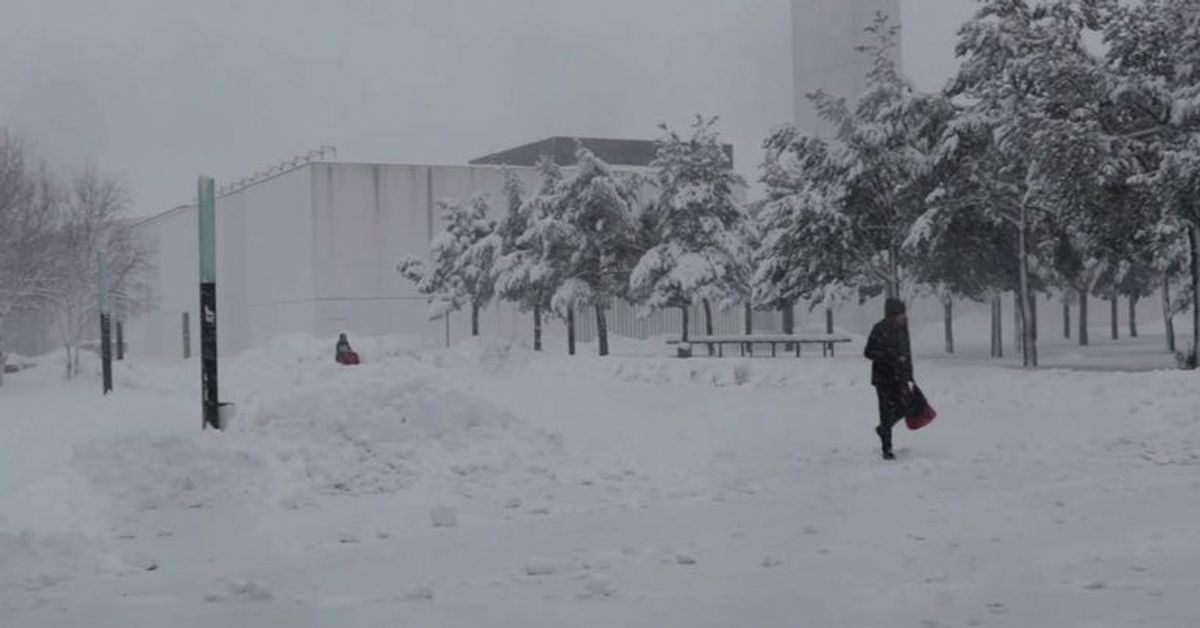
<point x="891" y="370"/>
<point x="343" y="350"/>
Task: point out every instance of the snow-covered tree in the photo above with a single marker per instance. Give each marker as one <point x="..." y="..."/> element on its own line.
<point x="592" y="223"/>
<point x="523" y="275"/>
<point x="544" y="255"/>
<point x="963" y="255"/>
<point x="29" y="210"/>
<point x="1154" y="108"/>
<point x="837" y="213"/>
<point x="1026" y="79"/>
<point x="803" y="243"/>
<point x="93" y="222"/>
<point x="458" y="273"/>
<point x="1079" y="196"/>
<point x="699" y="252"/>
<point x="1170" y="260"/>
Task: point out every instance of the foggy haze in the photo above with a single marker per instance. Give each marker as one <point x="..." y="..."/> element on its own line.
<point x="158" y="92"/>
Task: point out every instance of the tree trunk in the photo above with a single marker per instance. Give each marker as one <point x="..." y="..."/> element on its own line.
<point x="829" y="321"/>
<point x="997" y="327"/>
<point x="992" y="305"/>
<point x="474" y="320"/>
<point x="948" y="308"/>
<point x="537" y="328"/>
<point x="1028" y="342"/>
<point x="749" y="322"/>
<point x="1133" y="330"/>
<point x="1194" y="242"/>
<point x="893" y="288"/>
<point x="1033" y="319"/>
<point x="1113" y="306"/>
<point x="571" y="331"/>
<point x="1083" y="317"/>
<point x="789" y="323"/>
<point x="789" y="319"/>
<point x="602" y="329"/>
<point x="1168" y="314"/>
<point x="708" y="318"/>
<point x="1018" y="324"/>
<point x="686" y="324"/>
<point x="1066" y="318"/>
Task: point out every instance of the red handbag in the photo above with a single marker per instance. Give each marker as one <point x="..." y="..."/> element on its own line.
<point x="920" y="412"/>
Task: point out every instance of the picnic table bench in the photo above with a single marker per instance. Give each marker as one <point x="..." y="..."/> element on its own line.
<point x="746" y="343"/>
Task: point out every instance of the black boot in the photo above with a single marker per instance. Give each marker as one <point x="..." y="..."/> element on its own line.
<point x="885" y="440"/>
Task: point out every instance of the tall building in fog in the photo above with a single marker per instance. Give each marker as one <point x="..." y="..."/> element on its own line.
<point x="825" y="33"/>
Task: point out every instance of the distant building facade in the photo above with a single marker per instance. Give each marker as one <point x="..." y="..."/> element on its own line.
<point x="313" y="250"/>
<point x="619" y="153"/>
<point x="825" y="35"/>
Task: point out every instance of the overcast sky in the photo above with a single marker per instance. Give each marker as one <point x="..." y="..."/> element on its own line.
<point x="158" y="91"/>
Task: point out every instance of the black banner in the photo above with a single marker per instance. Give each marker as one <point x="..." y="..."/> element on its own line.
<point x="106" y="351"/>
<point x="208" y="355"/>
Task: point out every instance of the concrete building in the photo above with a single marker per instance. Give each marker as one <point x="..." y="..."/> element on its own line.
<point x="313" y="250"/>
<point x="825" y="35"/>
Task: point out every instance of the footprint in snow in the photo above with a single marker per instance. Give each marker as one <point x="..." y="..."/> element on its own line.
<point x="598" y="587"/>
<point x="419" y="594"/>
<point x="684" y="559"/>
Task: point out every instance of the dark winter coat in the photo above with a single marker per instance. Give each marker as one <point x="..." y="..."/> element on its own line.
<point x="890" y="354"/>
<point x="343" y="347"/>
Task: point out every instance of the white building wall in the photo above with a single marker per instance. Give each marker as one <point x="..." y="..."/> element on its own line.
<point x="264" y="270"/>
<point x="273" y="230"/>
<point x="314" y="251"/>
<point x="175" y="283"/>
<point x="826" y="33"/>
<point x="368" y="216"/>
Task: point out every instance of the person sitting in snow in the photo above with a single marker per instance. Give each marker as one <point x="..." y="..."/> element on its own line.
<point x="343" y="352"/>
<point x="891" y="370"/>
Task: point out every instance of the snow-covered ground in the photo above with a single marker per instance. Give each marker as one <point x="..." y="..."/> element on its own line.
<point x="485" y="485"/>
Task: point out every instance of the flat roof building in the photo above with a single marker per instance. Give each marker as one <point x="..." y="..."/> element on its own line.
<point x="618" y="153"/>
<point x="313" y="250"/>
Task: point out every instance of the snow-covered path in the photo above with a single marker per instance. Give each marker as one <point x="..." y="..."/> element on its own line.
<point x="632" y="491"/>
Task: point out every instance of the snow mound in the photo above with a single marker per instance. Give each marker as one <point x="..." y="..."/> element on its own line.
<point x="385" y="433"/>
<point x="490" y="355"/>
<point x="141" y="473"/>
<point x="302" y="349"/>
<point x="813" y="373"/>
<point x="31" y="562"/>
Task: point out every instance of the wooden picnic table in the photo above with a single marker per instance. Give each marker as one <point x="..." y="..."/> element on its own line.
<point x="746" y="342"/>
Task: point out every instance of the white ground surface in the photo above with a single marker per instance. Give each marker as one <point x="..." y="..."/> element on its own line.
<point x="486" y="485"/>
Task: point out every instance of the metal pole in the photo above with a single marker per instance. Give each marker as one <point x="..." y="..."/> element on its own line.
<point x="210" y="406"/>
<point x="187" y="337"/>
<point x="105" y="323"/>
